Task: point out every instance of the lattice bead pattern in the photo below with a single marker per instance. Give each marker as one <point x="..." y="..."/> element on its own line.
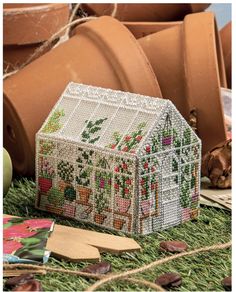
<point x="119" y="160"/>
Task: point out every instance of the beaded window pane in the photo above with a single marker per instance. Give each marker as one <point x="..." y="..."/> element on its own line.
<point x="123" y="161"/>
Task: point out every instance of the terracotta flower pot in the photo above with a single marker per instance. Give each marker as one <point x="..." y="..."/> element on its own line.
<point x="84" y="194"/>
<point x="145" y="12"/>
<point x="146" y="206"/>
<point x="226" y="39"/>
<point x="45" y="184"/>
<point x="123" y="204"/>
<point x="118" y="223"/>
<point x="95" y="56"/>
<point x="189" y="66"/>
<point x="99" y="218"/>
<point x="63" y="184"/>
<point x="26" y="27"/>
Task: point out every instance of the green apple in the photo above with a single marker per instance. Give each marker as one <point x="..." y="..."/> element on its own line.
<point x="7" y="171"/>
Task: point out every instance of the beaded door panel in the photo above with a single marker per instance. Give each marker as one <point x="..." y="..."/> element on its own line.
<point x="120" y="160"/>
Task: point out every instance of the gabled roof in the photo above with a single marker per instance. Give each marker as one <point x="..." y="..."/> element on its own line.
<point x="104" y="118"/>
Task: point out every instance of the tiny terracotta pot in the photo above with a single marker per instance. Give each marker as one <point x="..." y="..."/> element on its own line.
<point x="63" y="184"/>
<point x="118" y="223"/>
<point x="26" y="27"/>
<point x="45" y="184"/>
<point x="123" y="204"/>
<point x="95" y="56"/>
<point x="189" y="66"/>
<point x="84" y="194"/>
<point x="146" y="206"/>
<point x="226" y="39"/>
<point x="99" y="218"/>
<point x="145" y="12"/>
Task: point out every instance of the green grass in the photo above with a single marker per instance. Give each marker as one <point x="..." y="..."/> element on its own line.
<point x="202" y="272"/>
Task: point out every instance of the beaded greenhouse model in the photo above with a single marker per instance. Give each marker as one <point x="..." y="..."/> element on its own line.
<point x="120" y="160"/>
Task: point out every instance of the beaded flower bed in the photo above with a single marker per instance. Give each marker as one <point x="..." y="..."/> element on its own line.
<point x="120" y="160"/>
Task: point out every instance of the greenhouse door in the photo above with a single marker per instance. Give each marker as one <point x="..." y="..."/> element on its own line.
<point x="169" y="193"/>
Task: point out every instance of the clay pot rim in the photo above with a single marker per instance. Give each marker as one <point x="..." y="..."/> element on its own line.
<point x="33" y="9"/>
<point x="18" y="164"/>
<point x="164" y="23"/>
<point x="114" y="54"/>
<point x="34" y="24"/>
<point x="216" y="72"/>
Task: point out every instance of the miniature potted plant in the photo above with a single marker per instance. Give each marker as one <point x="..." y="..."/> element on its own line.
<point x="123" y="193"/>
<point x="101" y="203"/>
<point x="46" y="174"/>
<point x="146" y="203"/>
<point x="56" y="199"/>
<point x="65" y="171"/>
<point x="70" y="197"/>
<point x="83" y="181"/>
<point x="103" y="181"/>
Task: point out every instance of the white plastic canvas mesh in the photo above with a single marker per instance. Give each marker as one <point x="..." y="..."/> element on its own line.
<point x="120" y="160"/>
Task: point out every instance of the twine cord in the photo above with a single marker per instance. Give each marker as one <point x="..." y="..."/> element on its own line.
<point x="102" y="279"/>
<point x="79" y="273"/>
<point x="156" y="263"/>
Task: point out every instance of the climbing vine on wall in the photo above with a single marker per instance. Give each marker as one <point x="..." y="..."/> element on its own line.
<point x="88" y="135"/>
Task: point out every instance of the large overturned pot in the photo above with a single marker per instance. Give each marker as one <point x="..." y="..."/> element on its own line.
<point x="145" y="12"/>
<point x="102" y="53"/>
<point x="188" y="62"/>
<point x="226" y="39"/>
<point x="26" y="27"/>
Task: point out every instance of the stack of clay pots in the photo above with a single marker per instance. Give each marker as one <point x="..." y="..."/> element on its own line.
<point x="144" y="19"/>
<point x="182" y="62"/>
<point x="26" y="27"/>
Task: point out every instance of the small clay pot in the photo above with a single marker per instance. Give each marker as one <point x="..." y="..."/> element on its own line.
<point x="189" y="66"/>
<point x="95" y="56"/>
<point x="26" y="27"/>
<point x="226" y="39"/>
<point x="99" y="218"/>
<point x="145" y="12"/>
